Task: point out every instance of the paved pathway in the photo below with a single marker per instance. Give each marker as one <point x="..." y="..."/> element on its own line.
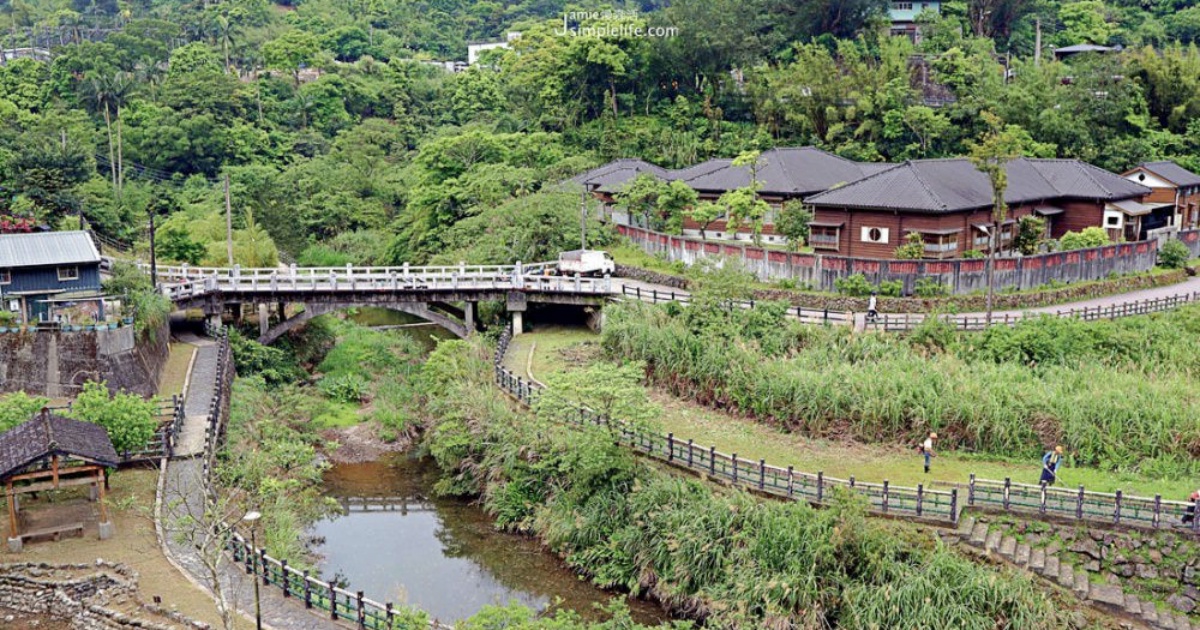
<point x="183" y="497"/>
<point x="201" y="384"/>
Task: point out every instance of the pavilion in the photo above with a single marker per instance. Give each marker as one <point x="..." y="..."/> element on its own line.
<point x="51" y="452"/>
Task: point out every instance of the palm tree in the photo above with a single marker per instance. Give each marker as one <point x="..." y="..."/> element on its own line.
<point x="110" y="93"/>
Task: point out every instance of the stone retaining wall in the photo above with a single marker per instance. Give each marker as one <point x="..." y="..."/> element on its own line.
<point x="57" y="364"/>
<point x="81" y="594"/>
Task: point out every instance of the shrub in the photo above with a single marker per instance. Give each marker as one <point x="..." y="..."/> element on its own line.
<point x="913" y="247"/>
<point x="891" y="288"/>
<point x="929" y="288"/>
<point x="1174" y="255"/>
<point x="347" y="388"/>
<point x="128" y="418"/>
<point x="1085" y="239"/>
<point x="855" y="285"/>
<point x="18" y="407"/>
<point x="1030" y="232"/>
<point x="973" y="254"/>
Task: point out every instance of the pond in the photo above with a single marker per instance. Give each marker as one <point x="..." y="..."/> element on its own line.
<point x="399" y="543"/>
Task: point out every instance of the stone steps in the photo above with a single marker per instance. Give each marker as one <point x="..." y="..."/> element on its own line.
<point x="1050" y="567"/>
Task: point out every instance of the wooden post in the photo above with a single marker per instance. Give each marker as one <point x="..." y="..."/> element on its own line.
<point x="712" y="461"/>
<point x="1117" y="510"/>
<point x="307" y="592"/>
<point x="690" y="453"/>
<point x="362" y="620"/>
<point x="735" y="470"/>
<point x="971" y="490"/>
<point x="885" y="496"/>
<point x="54" y="470"/>
<point x="100" y="484"/>
<point x="670" y="447"/>
<point x="920" y="498"/>
<point x="332" y="603"/>
<point x="1079" y="505"/>
<point x="820" y="485"/>
<point x="1157" y="510"/>
<point x="1007" y="487"/>
<point x="1042" y="506"/>
<point x="791" y="481"/>
<point x="954" y="505"/>
<point x="284" y="573"/>
<point x="13" y="532"/>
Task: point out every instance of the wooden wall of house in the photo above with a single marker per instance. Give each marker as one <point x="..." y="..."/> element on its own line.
<point x="899" y="224"/>
<point x="46" y="279"/>
<point x="1079" y="214"/>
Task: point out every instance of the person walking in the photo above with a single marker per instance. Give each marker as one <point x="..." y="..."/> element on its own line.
<point x="872" y="307"/>
<point x="1050" y="463"/>
<point x="926" y="449"/>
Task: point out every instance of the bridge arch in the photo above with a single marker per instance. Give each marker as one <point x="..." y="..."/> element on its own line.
<point x="417" y="309"/>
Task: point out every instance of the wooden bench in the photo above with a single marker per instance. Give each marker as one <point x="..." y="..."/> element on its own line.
<point x="55" y="533"/>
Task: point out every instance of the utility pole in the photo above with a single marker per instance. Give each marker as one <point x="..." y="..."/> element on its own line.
<point x="1037" y="41"/>
<point x="153" y="256"/>
<point x="583" y="219"/>
<point x="228" y="221"/>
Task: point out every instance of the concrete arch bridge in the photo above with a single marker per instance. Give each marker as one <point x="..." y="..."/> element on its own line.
<point x="446" y="296"/>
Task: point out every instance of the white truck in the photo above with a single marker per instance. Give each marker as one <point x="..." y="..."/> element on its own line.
<point x="585" y="262"/>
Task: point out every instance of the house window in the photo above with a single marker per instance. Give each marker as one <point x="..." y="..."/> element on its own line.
<point x="874" y="235"/>
<point x="68" y="273"/>
<point x="1112" y="220"/>
<point x="824" y="237"/>
<point x="940" y="245"/>
<point x="5" y="276"/>
<point x="902" y="6"/>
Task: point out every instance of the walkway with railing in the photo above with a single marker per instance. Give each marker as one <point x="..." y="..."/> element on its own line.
<point x="977" y="321"/>
<point x="919" y="503"/>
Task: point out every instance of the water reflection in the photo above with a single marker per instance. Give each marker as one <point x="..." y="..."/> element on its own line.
<point x="398" y="543"/>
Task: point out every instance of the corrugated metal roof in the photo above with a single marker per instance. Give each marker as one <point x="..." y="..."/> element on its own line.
<point x="1172" y="172"/>
<point x="955" y="184"/>
<point x="44" y="249"/>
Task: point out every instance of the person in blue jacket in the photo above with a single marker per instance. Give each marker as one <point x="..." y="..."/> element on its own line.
<point x="1050" y="463"/>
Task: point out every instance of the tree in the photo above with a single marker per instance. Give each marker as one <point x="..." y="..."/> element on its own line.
<point x="1031" y="231"/>
<point x="110" y="93"/>
<point x="614" y="392"/>
<point x="1085" y="21"/>
<point x="128" y="418"/>
<point x="639" y="197"/>
<point x="704" y="213"/>
<point x="743" y="206"/>
<point x="794" y="220"/>
<point x="991" y="157"/>
<point x="291" y="52"/>
<point x="673" y="201"/>
<point x="19" y="407"/>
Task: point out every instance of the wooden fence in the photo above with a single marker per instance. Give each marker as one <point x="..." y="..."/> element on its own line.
<point x="919" y="503"/>
<point x="907" y="322"/>
<point x="1081" y="505"/>
<point x="757" y="475"/>
<point x="805" y="315"/>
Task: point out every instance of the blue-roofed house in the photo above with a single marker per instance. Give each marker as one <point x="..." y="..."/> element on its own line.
<point x="44" y="272"/>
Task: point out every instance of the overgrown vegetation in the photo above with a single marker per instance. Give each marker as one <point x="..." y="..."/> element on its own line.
<point x="129" y="419"/>
<point x="723" y="557"/>
<point x="19" y="407"/>
<point x="1115" y="392"/>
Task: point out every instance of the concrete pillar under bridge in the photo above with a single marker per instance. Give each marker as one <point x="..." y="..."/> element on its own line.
<point x="264" y="319"/>
<point x="469" y="316"/>
<point x="518" y="324"/>
<point x="516" y="304"/>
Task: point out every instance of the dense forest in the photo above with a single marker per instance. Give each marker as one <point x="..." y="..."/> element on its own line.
<point x="343" y="142"/>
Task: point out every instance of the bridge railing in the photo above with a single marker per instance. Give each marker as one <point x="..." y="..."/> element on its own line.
<point x="1080" y="504"/>
<point x="184" y="282"/>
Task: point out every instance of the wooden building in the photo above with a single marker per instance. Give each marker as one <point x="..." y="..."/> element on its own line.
<point x="1171" y="184"/>
<point x="949" y="203"/>
<point x="42" y="271"/>
<point x="51" y="452"/>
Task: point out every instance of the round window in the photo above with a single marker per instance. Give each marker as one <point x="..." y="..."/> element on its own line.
<point x="1141" y="177"/>
<point x="875" y="234"/>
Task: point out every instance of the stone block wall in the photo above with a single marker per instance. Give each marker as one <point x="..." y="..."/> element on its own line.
<point x="57" y="364"/>
<point x="81" y="594"/>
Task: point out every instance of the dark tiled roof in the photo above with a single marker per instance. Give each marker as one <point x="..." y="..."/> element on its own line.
<point x="955" y="184"/>
<point x="1172" y="172"/>
<point x="786" y="171"/>
<point x="48" y="434"/>
<point x="618" y="172"/>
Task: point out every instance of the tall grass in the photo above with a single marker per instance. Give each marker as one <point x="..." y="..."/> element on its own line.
<point x="723" y="557"/>
<point x="1120" y="396"/>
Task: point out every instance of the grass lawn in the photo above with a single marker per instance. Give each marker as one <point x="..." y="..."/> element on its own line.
<point x="131" y="507"/>
<point x="558" y="348"/>
<point x="175" y="372"/>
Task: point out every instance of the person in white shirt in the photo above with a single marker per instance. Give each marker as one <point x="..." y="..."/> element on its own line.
<point x="927" y="449"/>
<point x="872" y="307"/>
